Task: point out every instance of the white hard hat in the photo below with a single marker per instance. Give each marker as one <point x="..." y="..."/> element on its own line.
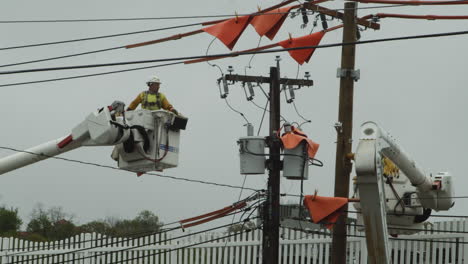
<point x="154" y="79"/>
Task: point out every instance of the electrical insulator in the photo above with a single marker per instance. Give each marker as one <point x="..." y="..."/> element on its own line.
<point x="284" y="88"/>
<point x="250" y="129"/>
<point x="287" y="127"/>
<point x="251" y="92"/>
<point x="324" y="21"/>
<point x="305" y="19"/>
<point x="291" y="94"/>
<point x="225" y="87"/>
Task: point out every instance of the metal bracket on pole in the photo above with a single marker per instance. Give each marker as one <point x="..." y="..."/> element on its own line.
<point x="343" y="73"/>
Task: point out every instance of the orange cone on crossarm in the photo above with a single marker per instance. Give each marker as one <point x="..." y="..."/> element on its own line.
<point x="229" y="31"/>
<point x="269" y="23"/>
<point x="302" y="55"/>
<point x="324" y="209"/>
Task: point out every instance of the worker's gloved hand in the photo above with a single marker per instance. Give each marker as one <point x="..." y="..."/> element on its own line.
<point x="174" y="111"/>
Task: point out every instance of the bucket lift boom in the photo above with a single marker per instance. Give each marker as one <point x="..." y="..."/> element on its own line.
<point x="145" y="140"/>
<point x="396" y="195"/>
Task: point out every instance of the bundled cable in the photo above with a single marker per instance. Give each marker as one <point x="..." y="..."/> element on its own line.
<point x="197" y="220"/>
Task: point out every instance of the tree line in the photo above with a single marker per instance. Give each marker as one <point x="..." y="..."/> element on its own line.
<point x="49" y="224"/>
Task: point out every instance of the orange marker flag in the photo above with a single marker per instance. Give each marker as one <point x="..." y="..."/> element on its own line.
<point x="302" y="55"/>
<point x="324" y="209"/>
<point x="229" y="31"/>
<point x="269" y="23"/>
<point x="295" y="137"/>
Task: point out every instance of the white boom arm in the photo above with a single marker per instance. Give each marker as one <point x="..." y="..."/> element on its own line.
<point x="151" y="139"/>
<point x="27" y="157"/>
<point x="393" y="189"/>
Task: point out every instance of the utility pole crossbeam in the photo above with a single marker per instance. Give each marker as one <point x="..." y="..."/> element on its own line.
<point x="271" y="208"/>
<point x="344" y="127"/>
<point x="261" y="79"/>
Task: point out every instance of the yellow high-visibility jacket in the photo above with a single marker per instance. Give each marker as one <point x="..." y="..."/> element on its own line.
<point x="150" y="101"/>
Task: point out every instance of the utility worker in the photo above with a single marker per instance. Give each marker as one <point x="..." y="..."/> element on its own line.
<point x="152" y="99"/>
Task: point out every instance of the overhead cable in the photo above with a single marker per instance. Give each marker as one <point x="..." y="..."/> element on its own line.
<point x="427" y="240"/>
<point x="90" y="75"/>
<point x="406" y="2"/>
<point x="116" y="168"/>
<point x="61" y="57"/>
<point x="234" y="54"/>
<point x="426" y="17"/>
<point x="446" y="197"/>
<point x="236" y="111"/>
<point x="191" y="33"/>
<point x="417" y="229"/>
<point x="170" y="64"/>
<point x="178" y="17"/>
<point x="162" y="18"/>
<point x="98" y="37"/>
<point x="406" y="214"/>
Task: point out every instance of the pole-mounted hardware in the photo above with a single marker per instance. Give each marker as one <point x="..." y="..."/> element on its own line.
<point x="348" y="73"/>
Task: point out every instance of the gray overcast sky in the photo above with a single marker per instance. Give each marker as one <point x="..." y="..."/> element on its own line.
<point x="415" y="89"/>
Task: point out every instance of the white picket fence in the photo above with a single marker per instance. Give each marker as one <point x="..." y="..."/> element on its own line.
<point x="296" y="247"/>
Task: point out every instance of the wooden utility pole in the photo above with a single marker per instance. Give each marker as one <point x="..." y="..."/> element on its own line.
<point x="271" y="209"/>
<point x="344" y="128"/>
<point x="271" y="213"/>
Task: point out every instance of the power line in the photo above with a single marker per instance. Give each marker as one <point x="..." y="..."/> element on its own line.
<point x="111" y="72"/>
<point x="90" y="75"/>
<point x="61" y="57"/>
<point x="445" y="34"/>
<point x="167" y="17"/>
<point x="115" y="168"/>
<point x="110" y="19"/>
<point x="429" y="240"/>
<point x="410" y="2"/>
<point x="397" y="214"/>
<point x="379" y="15"/>
<point x="447" y="197"/>
<point x="98" y="37"/>
<point x="418" y="229"/>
